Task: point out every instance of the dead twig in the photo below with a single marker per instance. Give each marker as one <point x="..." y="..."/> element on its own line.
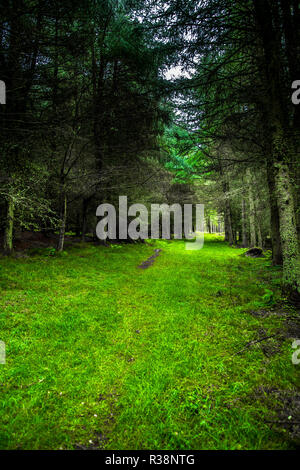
<point x="294" y="423"/>
<point x="251" y="343"/>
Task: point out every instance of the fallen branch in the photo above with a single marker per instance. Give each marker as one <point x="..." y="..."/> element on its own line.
<point x="251" y="343"/>
<point x="282" y="422"/>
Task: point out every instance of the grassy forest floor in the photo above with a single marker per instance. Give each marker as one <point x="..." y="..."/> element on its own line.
<point x="102" y="354"/>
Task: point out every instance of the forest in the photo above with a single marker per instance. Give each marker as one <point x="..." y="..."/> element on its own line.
<point x="134" y="344"/>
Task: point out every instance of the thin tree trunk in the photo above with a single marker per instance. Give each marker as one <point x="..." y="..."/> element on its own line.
<point x="228" y="218"/>
<point x="275" y="229"/>
<point x="244" y="225"/>
<point x="251" y="210"/>
<point x="235" y="237"/>
<point x="208" y="225"/>
<point x="227" y="206"/>
<point x="63" y="218"/>
<point x="78" y="227"/>
<point x="258" y="224"/>
<point x="8" y="234"/>
<point x="259" y="235"/>
<point x="85" y="204"/>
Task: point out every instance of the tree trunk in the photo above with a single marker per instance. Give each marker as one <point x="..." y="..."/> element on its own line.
<point x="78" y="225"/>
<point x="85" y="204"/>
<point x="208" y="225"/>
<point x="244" y="225"/>
<point x="251" y="210"/>
<point x="63" y="218"/>
<point x="228" y="223"/>
<point x="227" y="205"/>
<point x="288" y="230"/>
<point x="259" y="235"/>
<point x="275" y="229"/>
<point x="227" y="214"/>
<point x="258" y="224"/>
<point x="8" y="234"/>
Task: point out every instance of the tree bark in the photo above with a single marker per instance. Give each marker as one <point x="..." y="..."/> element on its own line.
<point x="288" y="230"/>
<point x="251" y="210"/>
<point x="8" y="234"/>
<point x="259" y="234"/>
<point x="78" y="225"/>
<point x="258" y="224"/>
<point x="208" y="225"/>
<point x="244" y="225"/>
<point x="275" y="229"/>
<point x="85" y="204"/>
<point x="227" y="213"/>
<point x="63" y="218"/>
<point x="228" y="222"/>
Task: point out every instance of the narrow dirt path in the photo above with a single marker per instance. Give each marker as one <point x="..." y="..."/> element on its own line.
<point x="149" y="262"/>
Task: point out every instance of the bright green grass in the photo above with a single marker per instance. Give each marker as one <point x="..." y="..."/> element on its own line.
<point x="77" y="368"/>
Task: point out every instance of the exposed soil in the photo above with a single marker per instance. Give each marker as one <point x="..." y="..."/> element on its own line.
<point x="288" y="410"/>
<point x="291" y="318"/>
<point x="99" y="440"/>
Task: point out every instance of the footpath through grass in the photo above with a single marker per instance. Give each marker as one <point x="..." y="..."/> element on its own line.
<point x="103" y="354"/>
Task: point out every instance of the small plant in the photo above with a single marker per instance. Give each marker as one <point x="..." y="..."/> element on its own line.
<point x="63" y="253"/>
<point x="267" y="300"/>
<point x="51" y="251"/>
<point x="268" y="297"/>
